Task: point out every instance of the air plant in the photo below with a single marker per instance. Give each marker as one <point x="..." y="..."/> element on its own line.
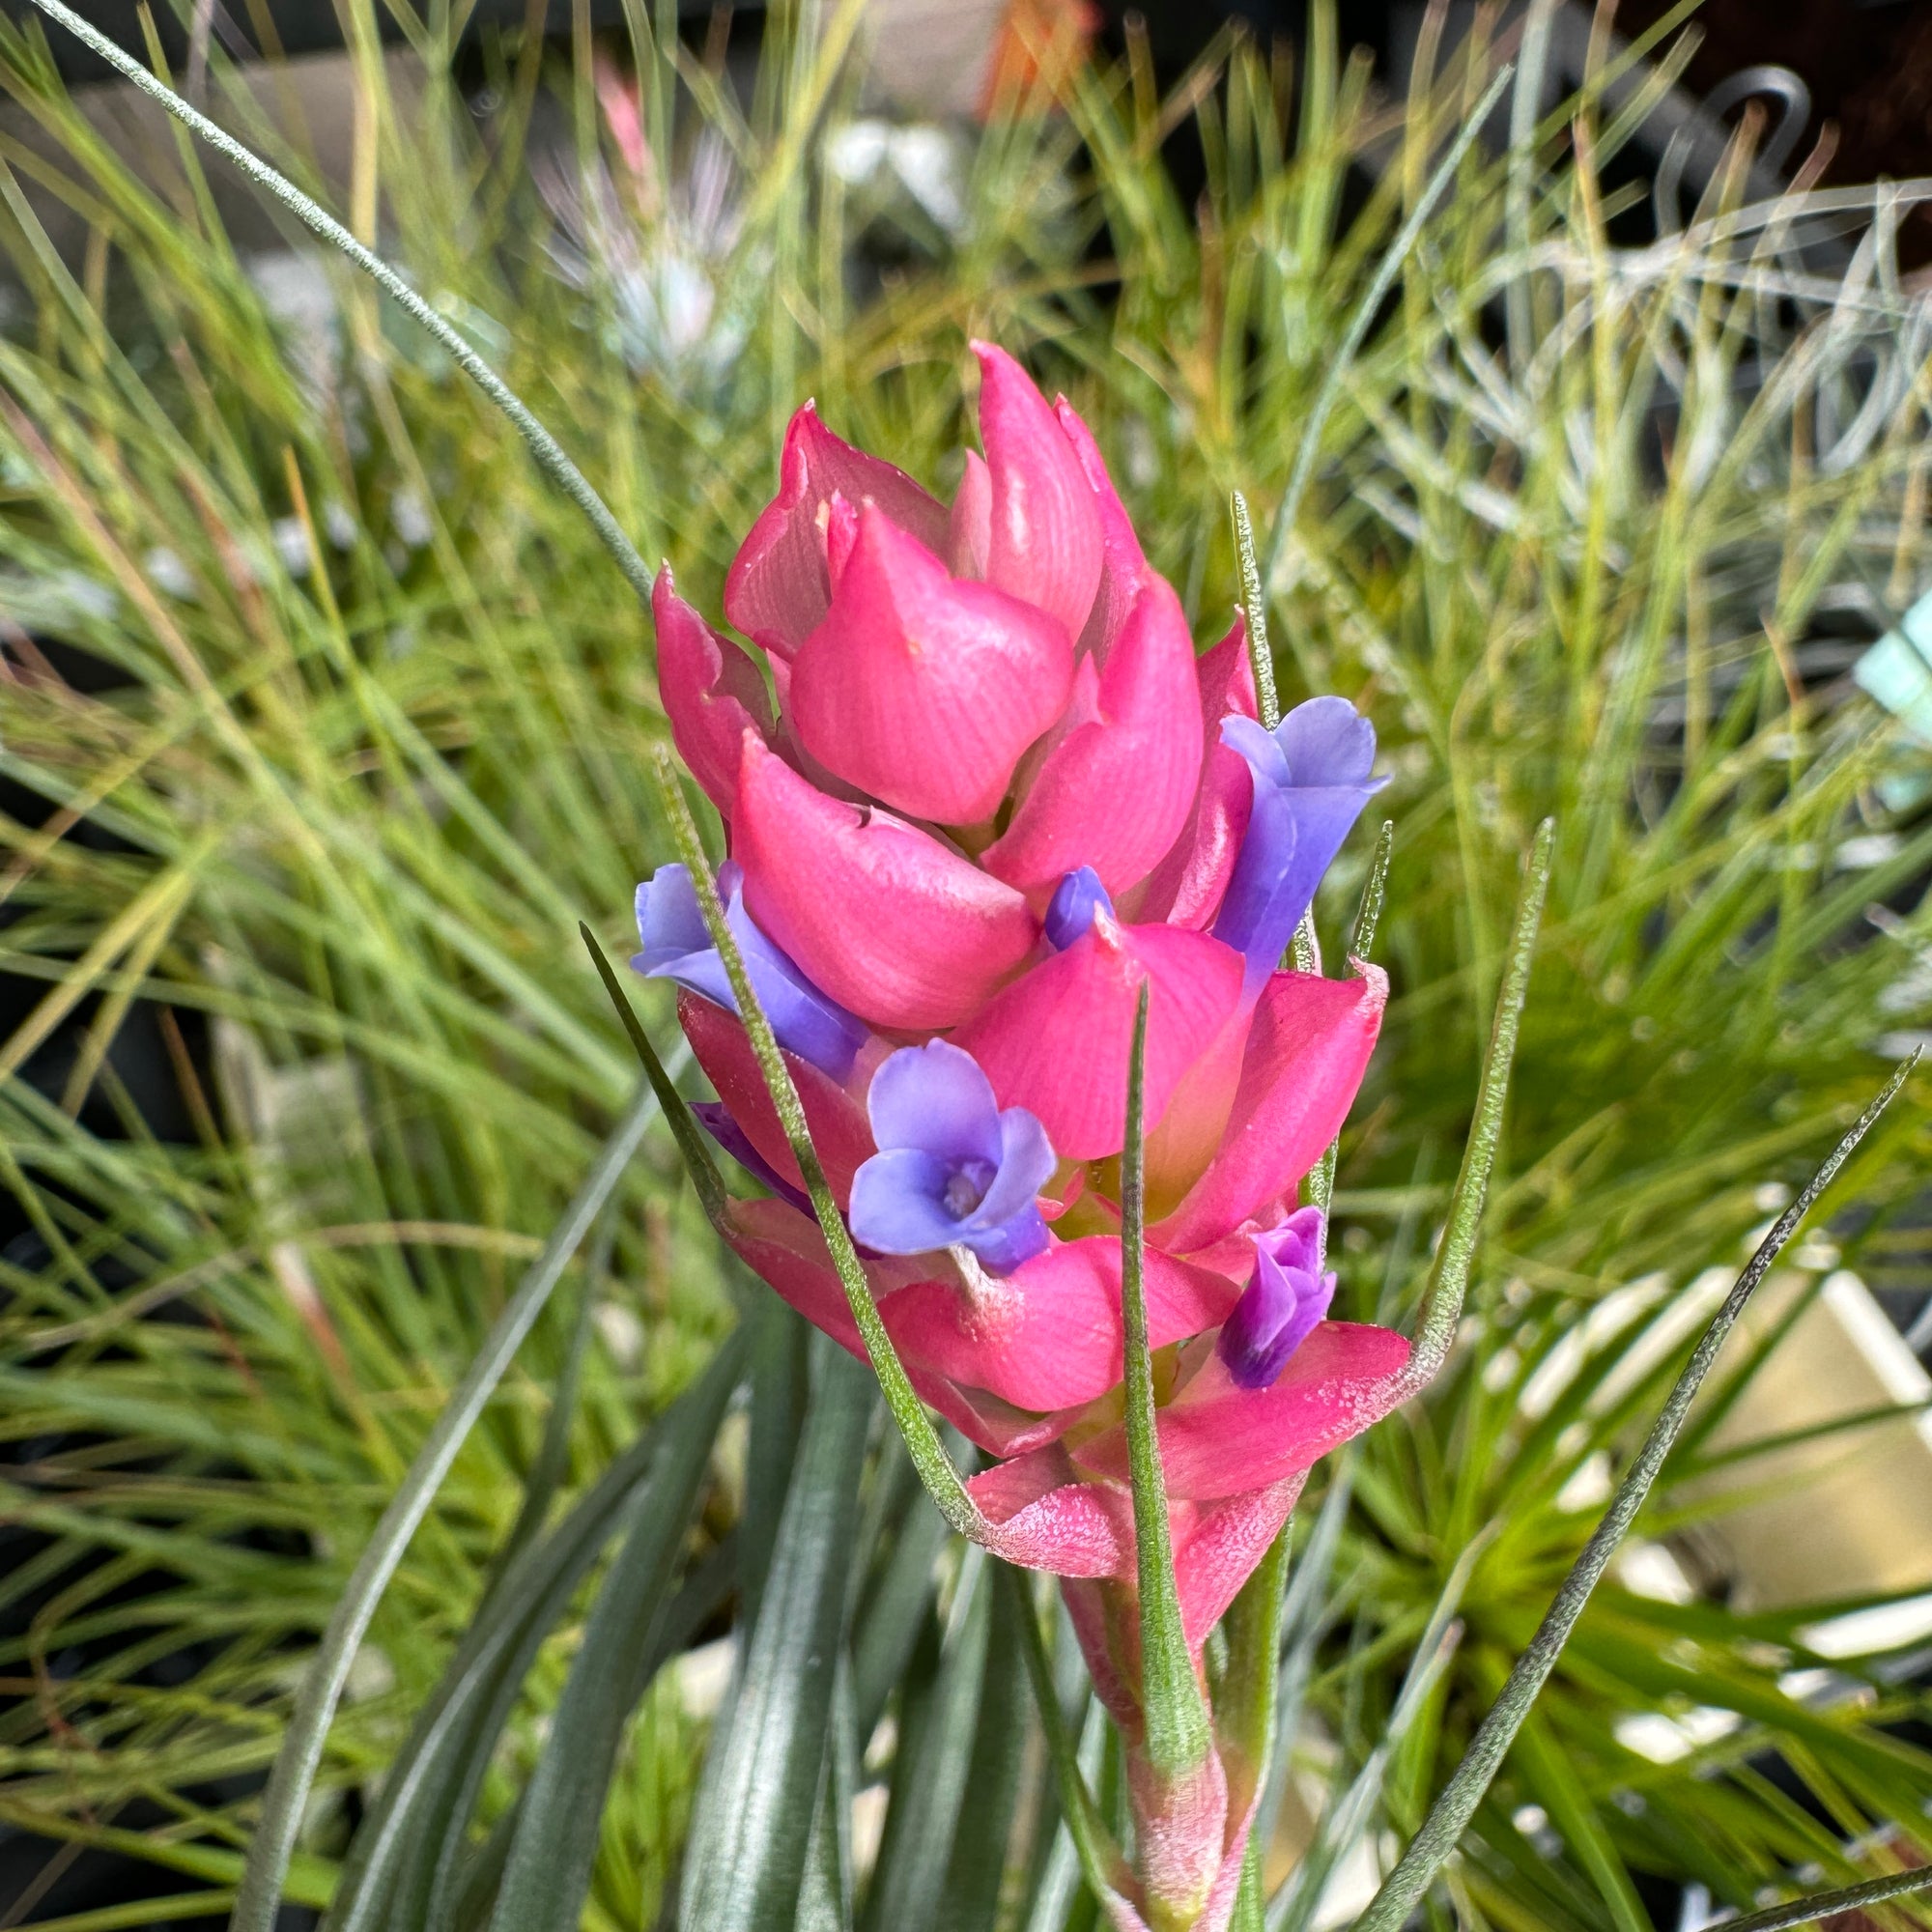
<point x="990" y="991"/>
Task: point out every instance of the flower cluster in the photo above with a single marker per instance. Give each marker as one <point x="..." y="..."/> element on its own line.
<point x="989" y="792"/>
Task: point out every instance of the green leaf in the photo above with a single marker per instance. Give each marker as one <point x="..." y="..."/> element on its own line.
<point x="547" y="1874"/>
<point x="1341" y="358"/>
<point x="685" y="1130"/>
<point x="542" y="445"/>
<point x="825" y="1897"/>
<point x="1457" y="1803"/>
<point x="1449" y="1276"/>
<point x="934" y="1755"/>
<point x="970" y="1897"/>
<point x="746" y="1857"/>
<point x="1177" y="1735"/>
<point x="425" y="1800"/>
<point x="889" y="1623"/>
<point x="1830" y="1904"/>
<point x="465" y="1901"/>
<point x="294" y="1771"/>
<point x="1101" y="1860"/>
<point x="781" y="1390"/>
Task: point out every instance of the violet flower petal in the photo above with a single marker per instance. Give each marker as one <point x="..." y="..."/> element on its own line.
<point x="898" y="1205"/>
<point x="952" y="1169"/>
<point x="1285" y="1300"/>
<point x="935" y="1098"/>
<point x="1311" y="780"/>
<point x="677" y="947"/>
<point x="714" y="1118"/>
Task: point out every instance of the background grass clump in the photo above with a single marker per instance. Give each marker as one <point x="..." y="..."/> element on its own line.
<point x="325" y="722"/>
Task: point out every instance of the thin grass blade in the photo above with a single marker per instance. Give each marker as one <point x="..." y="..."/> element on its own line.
<point x="1453" y="1809"/>
<point x="1449" y="1276"/>
<point x="258" y="1897"/>
<point x="548" y="1874"/>
<point x="749" y="1835"/>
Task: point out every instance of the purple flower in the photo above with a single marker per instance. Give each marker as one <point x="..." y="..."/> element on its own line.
<point x="952" y="1169"/>
<point x="1283" y="1300"/>
<point x="677" y="947"/>
<point x="1312" y="780"/>
<point x="1069" y="912"/>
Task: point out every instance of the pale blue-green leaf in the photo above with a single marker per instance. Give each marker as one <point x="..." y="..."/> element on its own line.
<point x="547" y="1874"/>
<point x="745" y="1856"/>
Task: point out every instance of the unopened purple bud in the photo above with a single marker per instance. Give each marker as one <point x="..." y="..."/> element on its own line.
<point x="1285" y="1296"/>
<point x="1069" y="912"/>
<point x="677" y="947"/>
<point x="1311" y="780"/>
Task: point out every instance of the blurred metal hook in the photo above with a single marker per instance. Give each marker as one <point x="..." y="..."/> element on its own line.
<point x="1781" y="84"/>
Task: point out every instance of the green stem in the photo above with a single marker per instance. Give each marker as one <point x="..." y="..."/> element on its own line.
<point x="542" y="445"/>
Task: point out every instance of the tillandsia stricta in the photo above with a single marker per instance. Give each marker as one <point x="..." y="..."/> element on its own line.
<point x="1012" y="870"/>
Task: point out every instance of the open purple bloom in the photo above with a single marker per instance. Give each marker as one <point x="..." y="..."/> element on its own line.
<point x="1310" y="777"/>
<point x="677" y="947"/>
<point x="1285" y="1297"/>
<point x="1069" y="912"/>
<point x="952" y="1169"/>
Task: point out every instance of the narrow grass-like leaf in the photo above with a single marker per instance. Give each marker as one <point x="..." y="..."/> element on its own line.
<point x="422" y="1802"/>
<point x="889" y="1623"/>
<point x="1295" y="1904"/>
<point x="270" y="1850"/>
<point x="825" y="1898"/>
<point x="929" y="1780"/>
<point x="922" y="1439"/>
<point x="467" y="1891"/>
<point x="1449" y="1275"/>
<point x="678" y="1118"/>
<point x="780" y="1393"/>
<point x="547" y="1874"/>
<point x="745" y="1860"/>
<point x="1832" y="1904"/>
<point x="553" y="1458"/>
<point x="1178" y="1737"/>
<point x="970" y="1897"/>
<point x="1254" y="603"/>
<point x="1375" y="892"/>
<point x="1457" y="1803"/>
<point x="1102" y="1860"/>
<point x="543" y="446"/>
<point x="1342" y="360"/>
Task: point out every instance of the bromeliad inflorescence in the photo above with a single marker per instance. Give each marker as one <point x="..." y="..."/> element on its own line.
<point x="998" y="796"/>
